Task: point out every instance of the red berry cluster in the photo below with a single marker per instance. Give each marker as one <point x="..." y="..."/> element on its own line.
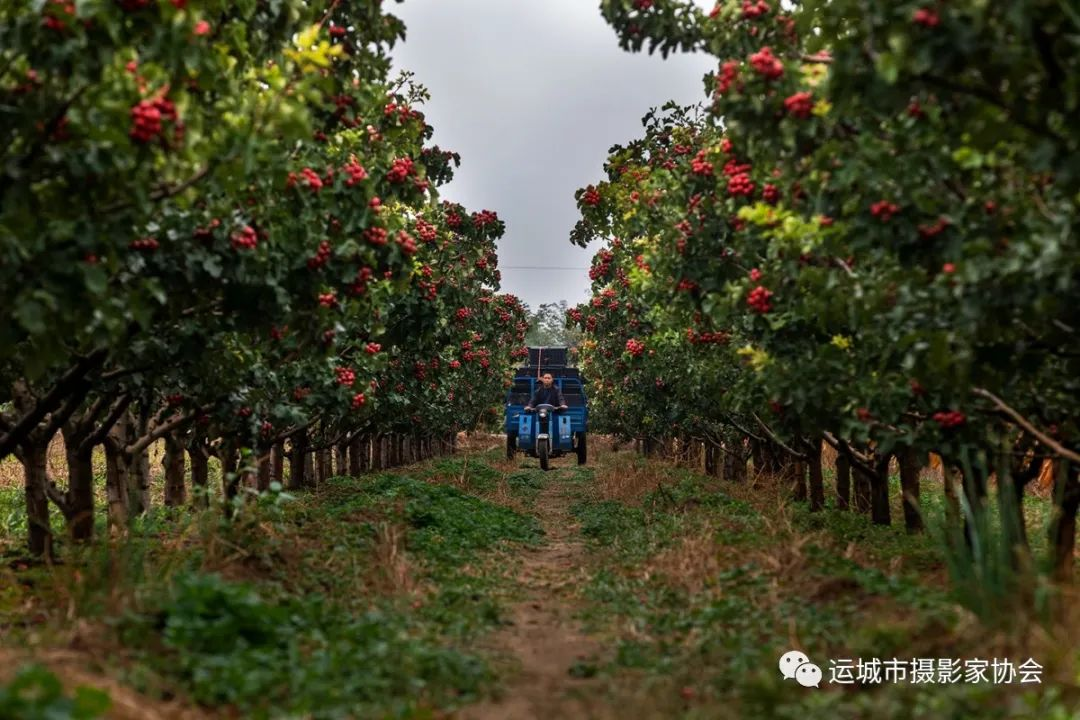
<point x="729" y="73"/>
<point x="590" y="197"/>
<point x="300" y="393"/>
<point x="322" y="256"/>
<point x="603" y="267"/>
<point x="916" y="387"/>
<point x="376" y="235"/>
<point x="864" y="414"/>
<point x="146" y="243"/>
<point x="948" y="268"/>
<point x="372" y="348"/>
<point x="950" y="419"/>
<point x="884" y="210"/>
<point x="707" y="338"/>
<point x="363" y="277"/>
<point x="756" y="274"/>
<point x="928" y="231"/>
<point x="356" y="173"/>
<point x="740" y="184"/>
<point x="643" y="5"/>
<point x="800" y="104"/>
<point x="244" y="411"/>
<point x="453" y="220"/>
<point x="766" y="64"/>
<point x="375" y="204"/>
<point x="700" y="166"/>
<point x="266" y="428"/>
<point x="759" y="300"/>
<point x="426" y="231"/>
<point x="770" y="193"/>
<point x="277" y="333"/>
<point x="358" y="401"/>
<point x="337" y="31"/>
<point x="455" y="364"/>
<point x="484" y="217"/>
<point x="463" y="314"/>
<point x="328" y="299"/>
<point x="175" y="399"/>
<point x="635" y="347"/>
<point x="52" y="18"/>
<point x="245" y="239"/>
<point x="406" y="242"/>
<point x="400" y="169"/>
<point x="685" y="285"/>
<point x="345" y="376"/>
<point x="927" y="17"/>
<point x="752" y="9"/>
<point x="145" y="121"/>
<point x="314" y="182"/>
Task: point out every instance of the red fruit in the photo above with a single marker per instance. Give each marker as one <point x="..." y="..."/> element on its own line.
<point x="948" y="268"/>
<point x="884" y="210"/>
<point x="766" y="64"/>
<point x="927" y="17"/>
<point x="406" y="242"/>
<point x="358" y="401"/>
<point x="590" y="197"/>
<point x="700" y="166"/>
<point x="770" y="193"/>
<point x="635" y="347"/>
<point x="376" y="235"/>
<point x="400" y="169"/>
<point x="759" y="300"/>
<point x="245" y="239"/>
<point x="800" y="104"/>
<point x="147" y="243"/>
<point x="740" y="184"/>
<point x="729" y="73"/>
<point x="864" y="414"/>
<point x="145" y="121"/>
<point x="337" y="31"/>
<point x="643" y="5"/>
<point x="244" y="412"/>
<point x="201" y="28"/>
<point x="916" y="387"/>
<point x="950" y="419"/>
<point x="752" y="9"/>
<point x="755" y="275"/>
<point x="345" y="376"/>
<point x="328" y="299"/>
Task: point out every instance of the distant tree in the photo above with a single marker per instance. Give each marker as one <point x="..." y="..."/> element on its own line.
<point x="547" y="327"/>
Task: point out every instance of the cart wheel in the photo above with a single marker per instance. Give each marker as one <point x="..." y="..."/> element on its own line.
<point x="582" y="451"/>
<point x="511" y="445"/>
<point x="542" y="453"/>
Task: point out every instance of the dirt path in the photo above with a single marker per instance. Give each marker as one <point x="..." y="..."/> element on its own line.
<point x="544" y="638"/>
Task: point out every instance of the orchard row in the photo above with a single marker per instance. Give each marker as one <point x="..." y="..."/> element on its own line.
<point x="220" y="228"/>
<point x="866" y="238"/>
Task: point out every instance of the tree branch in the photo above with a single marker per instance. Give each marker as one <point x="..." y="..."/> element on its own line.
<point x="772" y="436"/>
<point x="1020" y="420"/>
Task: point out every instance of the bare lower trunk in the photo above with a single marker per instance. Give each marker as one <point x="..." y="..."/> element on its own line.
<point x="712" y="467"/>
<point x="79" y="505"/>
<point x="262" y="483"/>
<point x="910" y="466"/>
<point x="1063" y="526"/>
<point x="322" y="461"/>
<point x="173" y="463"/>
<point x="200" y="475"/>
<point x="880" y="512"/>
<point x="297" y="456"/>
<point x="862" y="491"/>
<point x="230" y="478"/>
<point x="357" y="446"/>
<point x="116" y="486"/>
<point x="843" y="481"/>
<point x="817" y="482"/>
<point x="35" y="477"/>
<point x="796" y="472"/>
<point x="277" y="464"/>
<point x="341" y="461"/>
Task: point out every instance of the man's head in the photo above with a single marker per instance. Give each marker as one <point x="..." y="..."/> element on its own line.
<point x="547" y="380"/>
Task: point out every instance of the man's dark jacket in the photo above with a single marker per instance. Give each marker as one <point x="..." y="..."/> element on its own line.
<point x="549" y="396"/>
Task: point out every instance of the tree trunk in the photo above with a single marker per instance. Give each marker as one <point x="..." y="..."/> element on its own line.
<point x="341" y="458"/>
<point x="880" y="513"/>
<point x="116" y="485"/>
<point x="711" y="466"/>
<point x="80" y="493"/>
<point x="357" y="448"/>
<point x="277" y="464"/>
<point x="173" y="462"/>
<point x="322" y="459"/>
<point x="200" y="475"/>
<point x="862" y="491"/>
<point x="817" y="481"/>
<point x="843" y="481"/>
<point x="35" y="452"/>
<point x="230" y="477"/>
<point x="297" y="460"/>
<point x="1063" y="525"/>
<point x="910" y="466"/>
<point x="796" y="472"/>
<point x="309" y="468"/>
<point x="262" y="481"/>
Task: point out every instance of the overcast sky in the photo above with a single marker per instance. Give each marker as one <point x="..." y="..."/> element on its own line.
<point x="533" y="93"/>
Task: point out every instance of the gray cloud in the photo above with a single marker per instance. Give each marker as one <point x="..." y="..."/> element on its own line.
<point x="533" y="94"/>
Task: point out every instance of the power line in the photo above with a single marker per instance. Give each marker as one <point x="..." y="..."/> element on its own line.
<point x="538" y="267"/>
